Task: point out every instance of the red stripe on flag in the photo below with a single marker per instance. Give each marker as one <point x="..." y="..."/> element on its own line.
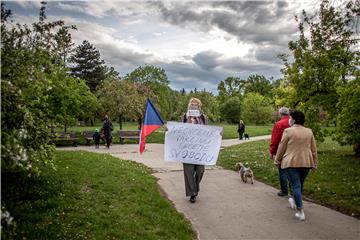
<point x="146" y="130"/>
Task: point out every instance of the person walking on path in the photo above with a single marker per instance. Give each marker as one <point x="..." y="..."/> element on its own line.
<point x="193" y="173"/>
<point x="107" y="127"/>
<point x="296" y="155"/>
<point x="241" y="129"/>
<point x="276" y="135"/>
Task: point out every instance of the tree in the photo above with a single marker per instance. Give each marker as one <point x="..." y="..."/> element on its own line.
<point x="348" y="123"/>
<point x="123" y="99"/>
<point x="256" y="109"/>
<point x="148" y="75"/>
<point x="64" y="44"/>
<point x="323" y="63"/>
<point x="230" y="87"/>
<point x="230" y="110"/>
<point x="31" y="72"/>
<point x="88" y="65"/>
<point x="156" y="79"/>
<point x="69" y="99"/>
<point x="258" y="84"/>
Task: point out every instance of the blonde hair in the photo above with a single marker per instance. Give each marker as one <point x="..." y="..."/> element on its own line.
<point x="195" y="100"/>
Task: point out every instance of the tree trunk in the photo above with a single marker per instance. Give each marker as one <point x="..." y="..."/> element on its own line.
<point x="356" y="148"/>
<point x="120" y="122"/>
<point x="139" y="123"/>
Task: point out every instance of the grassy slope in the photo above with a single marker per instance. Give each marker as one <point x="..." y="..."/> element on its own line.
<point x="92" y="196"/>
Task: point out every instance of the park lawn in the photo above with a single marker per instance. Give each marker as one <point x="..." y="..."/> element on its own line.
<point x="92" y="196"/>
<point x="335" y="184"/>
<point x="230" y="131"/>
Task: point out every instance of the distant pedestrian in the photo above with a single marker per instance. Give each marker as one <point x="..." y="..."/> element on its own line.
<point x="107" y="127"/>
<point x="96" y="137"/>
<point x="241" y="129"/>
<point x="276" y="135"/>
<point x="296" y="155"/>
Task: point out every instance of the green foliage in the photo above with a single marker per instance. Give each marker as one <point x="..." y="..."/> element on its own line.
<point x="64" y="44"/>
<point x="348" y="122"/>
<point x="256" y="109"/>
<point x="230" y="87"/>
<point x="88" y="65"/>
<point x="69" y="99"/>
<point x="322" y="63"/>
<point x="122" y="99"/>
<point x="336" y="182"/>
<point x="231" y="110"/>
<point x="156" y="80"/>
<point x="34" y="85"/>
<point x="91" y="196"/>
<point x="258" y="84"/>
<point x="148" y="75"/>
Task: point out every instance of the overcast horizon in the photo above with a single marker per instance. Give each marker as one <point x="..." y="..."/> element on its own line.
<point x="198" y="44"/>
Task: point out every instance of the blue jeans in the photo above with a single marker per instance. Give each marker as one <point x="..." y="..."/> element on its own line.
<point x="297" y="177"/>
<point x="283" y="180"/>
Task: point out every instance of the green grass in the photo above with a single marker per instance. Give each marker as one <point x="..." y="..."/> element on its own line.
<point x="335" y="184"/>
<point x="230" y="131"/>
<point x="91" y="196"/>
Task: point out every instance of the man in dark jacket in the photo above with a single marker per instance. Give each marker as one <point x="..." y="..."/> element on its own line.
<point x="108" y="127"/>
<point x="276" y="136"/>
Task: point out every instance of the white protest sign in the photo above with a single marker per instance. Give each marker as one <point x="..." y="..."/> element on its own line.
<point x="192" y="143"/>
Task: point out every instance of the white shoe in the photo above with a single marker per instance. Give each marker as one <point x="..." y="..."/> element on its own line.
<point x="300" y="215"/>
<point x="292" y="203"/>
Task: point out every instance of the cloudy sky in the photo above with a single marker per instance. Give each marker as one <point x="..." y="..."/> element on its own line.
<point x="197" y="43"/>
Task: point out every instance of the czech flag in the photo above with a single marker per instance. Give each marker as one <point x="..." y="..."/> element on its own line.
<point x="152" y="121"/>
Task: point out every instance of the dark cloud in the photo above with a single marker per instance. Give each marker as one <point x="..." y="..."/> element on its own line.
<point x="245" y="67"/>
<point x="255" y="22"/>
<point x="207" y="60"/>
<point x="192" y="74"/>
<point x="268" y="54"/>
<point x="123" y="59"/>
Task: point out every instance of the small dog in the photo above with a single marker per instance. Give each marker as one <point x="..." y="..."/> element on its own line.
<point x="244" y="172"/>
<point x="246" y="136"/>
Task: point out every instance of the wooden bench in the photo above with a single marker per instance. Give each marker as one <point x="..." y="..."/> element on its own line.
<point x="88" y="136"/>
<point x="128" y="135"/>
<point x="64" y="137"/>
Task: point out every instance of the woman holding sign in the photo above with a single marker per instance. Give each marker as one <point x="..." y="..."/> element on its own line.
<point x="193" y="173"/>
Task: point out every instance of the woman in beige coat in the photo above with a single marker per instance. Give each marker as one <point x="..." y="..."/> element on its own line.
<point x="297" y="154"/>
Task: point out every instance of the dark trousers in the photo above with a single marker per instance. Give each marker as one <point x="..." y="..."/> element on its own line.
<point x="108" y="140"/>
<point x="241" y="134"/>
<point x="193" y="175"/>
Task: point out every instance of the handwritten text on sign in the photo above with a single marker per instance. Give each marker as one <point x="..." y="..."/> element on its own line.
<point x="192" y="143"/>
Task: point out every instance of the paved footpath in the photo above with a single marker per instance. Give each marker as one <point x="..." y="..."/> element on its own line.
<point x="226" y="208"/>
